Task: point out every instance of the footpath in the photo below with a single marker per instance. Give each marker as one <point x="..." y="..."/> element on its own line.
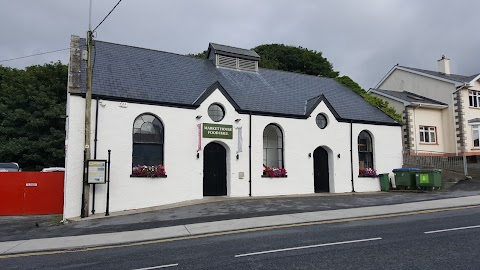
<point x="37" y="233"/>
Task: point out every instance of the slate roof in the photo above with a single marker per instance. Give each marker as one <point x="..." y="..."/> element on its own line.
<point x="232" y="51"/>
<point x="453" y="77"/>
<point x="156" y="77"/>
<point x="410" y="97"/>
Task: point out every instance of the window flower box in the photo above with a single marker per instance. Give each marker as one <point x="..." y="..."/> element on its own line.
<point x="274" y="172"/>
<point x="149" y="171"/>
<point x="367" y="172"/>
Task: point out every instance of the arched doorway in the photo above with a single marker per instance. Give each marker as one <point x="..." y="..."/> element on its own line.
<point x="214" y="170"/>
<point x="320" y="170"/>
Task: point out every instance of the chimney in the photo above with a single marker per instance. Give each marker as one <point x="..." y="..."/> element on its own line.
<point x="444" y="65"/>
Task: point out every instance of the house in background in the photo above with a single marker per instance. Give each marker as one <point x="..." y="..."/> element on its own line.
<point x="441" y="110"/>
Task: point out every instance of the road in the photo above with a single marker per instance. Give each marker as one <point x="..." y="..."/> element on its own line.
<point x="441" y="240"/>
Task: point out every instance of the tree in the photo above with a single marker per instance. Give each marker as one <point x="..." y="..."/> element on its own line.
<point x="294" y="59"/>
<point x="373" y="100"/>
<point x="305" y="61"/>
<point x="202" y="55"/>
<point x="32" y="103"/>
<point x="383" y="105"/>
<point x="348" y="82"/>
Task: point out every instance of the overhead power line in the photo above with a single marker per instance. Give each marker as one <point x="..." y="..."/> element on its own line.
<point x="107" y="15"/>
<point x="16" y="58"/>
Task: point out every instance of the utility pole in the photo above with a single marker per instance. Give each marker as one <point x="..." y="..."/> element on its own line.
<point x="88" y="111"/>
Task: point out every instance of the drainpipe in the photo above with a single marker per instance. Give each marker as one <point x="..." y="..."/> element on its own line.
<point x="95" y="140"/>
<point x="351" y="153"/>
<point x="250" y="155"/>
<point x="95" y="153"/>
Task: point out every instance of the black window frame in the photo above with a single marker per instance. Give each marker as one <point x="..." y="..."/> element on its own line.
<point x="222" y="109"/>
<point x="324" y="118"/>
<point x="280" y="149"/>
<point x="156" y="140"/>
<point x="368" y="152"/>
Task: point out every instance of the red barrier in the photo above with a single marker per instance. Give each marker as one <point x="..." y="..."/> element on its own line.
<point x="31" y="193"/>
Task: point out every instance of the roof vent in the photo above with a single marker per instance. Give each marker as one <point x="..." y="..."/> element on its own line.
<point x="226" y="61"/>
<point x="234" y="58"/>
<point x="247" y="64"/>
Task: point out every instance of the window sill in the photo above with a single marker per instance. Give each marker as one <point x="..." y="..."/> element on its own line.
<point x="426" y="143"/>
<point x="471" y="107"/>
<point x="362" y="176"/>
<point x="266" y="176"/>
<point x="138" y="176"/>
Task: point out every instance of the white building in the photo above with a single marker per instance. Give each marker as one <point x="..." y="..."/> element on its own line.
<point x="151" y="107"/>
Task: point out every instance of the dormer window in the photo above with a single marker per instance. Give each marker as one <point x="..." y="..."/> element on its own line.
<point x="234" y="58"/>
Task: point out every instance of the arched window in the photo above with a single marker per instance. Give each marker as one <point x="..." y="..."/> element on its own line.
<point x="365" y="151"/>
<point x="272" y="146"/>
<point x="147" y="141"/>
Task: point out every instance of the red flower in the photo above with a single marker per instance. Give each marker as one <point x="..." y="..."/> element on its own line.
<point x="149" y="171"/>
<point x="367" y="172"/>
<point x="274" y="171"/>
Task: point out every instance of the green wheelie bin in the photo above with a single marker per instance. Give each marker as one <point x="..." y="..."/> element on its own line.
<point x="428" y="179"/>
<point x="405" y="177"/>
<point x="384" y="182"/>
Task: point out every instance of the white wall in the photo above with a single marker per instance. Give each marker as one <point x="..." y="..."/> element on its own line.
<point x="185" y="171"/>
<point x="301" y="137"/>
<point x="304" y="136"/>
<point x="387" y="154"/>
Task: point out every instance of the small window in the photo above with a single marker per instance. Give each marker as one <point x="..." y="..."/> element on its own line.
<point x="474" y="99"/>
<point x="216" y="112"/>
<point x="272" y="146"/>
<point x="365" y="152"/>
<point x="476" y="135"/>
<point x="428" y="134"/>
<point x="147" y="141"/>
<point x="321" y="121"/>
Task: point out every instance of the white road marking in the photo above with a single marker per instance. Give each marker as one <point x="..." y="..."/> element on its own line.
<point x="454" y="229"/>
<point x="158" y="267"/>
<point x="304" y="247"/>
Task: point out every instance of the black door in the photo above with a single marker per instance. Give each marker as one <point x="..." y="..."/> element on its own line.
<point x="214" y="170"/>
<point x="320" y="170"/>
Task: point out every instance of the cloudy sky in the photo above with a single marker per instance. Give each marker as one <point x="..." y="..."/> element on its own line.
<point x="362" y="39"/>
